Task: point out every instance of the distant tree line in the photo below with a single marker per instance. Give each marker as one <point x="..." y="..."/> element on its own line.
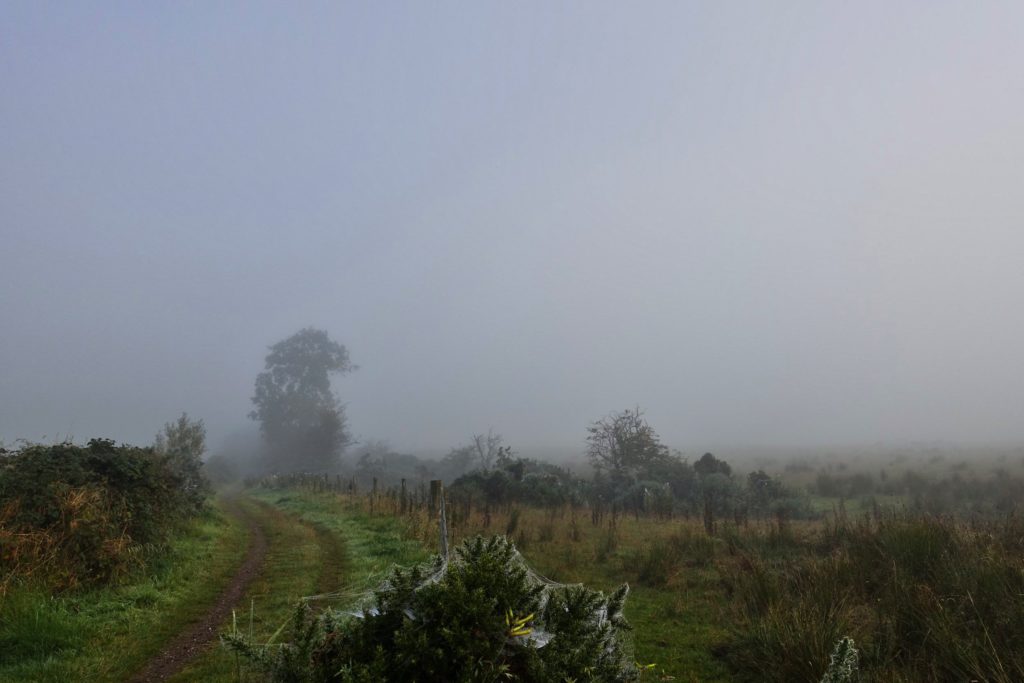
<point x="633" y="472"/>
<point x="304" y="429"/>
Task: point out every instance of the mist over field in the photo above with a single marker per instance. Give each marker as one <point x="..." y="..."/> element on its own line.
<point x="768" y="226"/>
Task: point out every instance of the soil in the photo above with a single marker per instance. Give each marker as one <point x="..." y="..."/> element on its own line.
<point x="201" y="635"/>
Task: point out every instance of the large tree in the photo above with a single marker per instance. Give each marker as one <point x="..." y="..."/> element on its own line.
<point x="300" y="417"/>
<point x="624" y="446"/>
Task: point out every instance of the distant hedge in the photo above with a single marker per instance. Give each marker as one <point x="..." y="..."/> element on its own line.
<point x="71" y="514"/>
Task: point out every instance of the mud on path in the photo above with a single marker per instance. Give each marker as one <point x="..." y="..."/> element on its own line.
<point x="202" y="634"/>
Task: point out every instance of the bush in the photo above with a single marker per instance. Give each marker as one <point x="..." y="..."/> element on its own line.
<point x="72" y="514"/>
<point x="522" y="481"/>
<point x="482" y="617"/>
<point x="181" y="444"/>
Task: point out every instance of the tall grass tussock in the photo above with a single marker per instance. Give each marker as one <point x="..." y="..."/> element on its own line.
<point x="926" y="598"/>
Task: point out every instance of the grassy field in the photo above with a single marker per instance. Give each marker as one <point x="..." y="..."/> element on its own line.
<point x="925" y="597"/>
<point x="106" y="634"/>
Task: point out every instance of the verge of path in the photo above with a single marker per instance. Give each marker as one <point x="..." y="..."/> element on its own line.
<point x="196" y="638"/>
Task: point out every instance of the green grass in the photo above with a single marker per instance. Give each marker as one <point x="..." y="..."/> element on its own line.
<point x="924" y="598"/>
<point x="33" y="626"/>
<point x="106" y="634"/>
<point x="677" y="623"/>
<point x="373" y="543"/>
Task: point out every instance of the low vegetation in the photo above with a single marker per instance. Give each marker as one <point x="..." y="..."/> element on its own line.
<point x="925" y="598"/>
<point x="105" y="633"/>
<point x="796" y="571"/>
<point x="89" y="515"/>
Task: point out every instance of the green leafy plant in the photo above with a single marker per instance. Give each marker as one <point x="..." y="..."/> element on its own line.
<point x="483" y="616"/>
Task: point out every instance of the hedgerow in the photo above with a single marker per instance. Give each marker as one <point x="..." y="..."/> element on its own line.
<point x="72" y="515"/>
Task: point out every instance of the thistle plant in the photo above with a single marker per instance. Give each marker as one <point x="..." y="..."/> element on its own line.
<point x="843" y="664"/>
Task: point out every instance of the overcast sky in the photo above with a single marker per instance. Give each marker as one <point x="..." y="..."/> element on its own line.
<point x="764" y="223"/>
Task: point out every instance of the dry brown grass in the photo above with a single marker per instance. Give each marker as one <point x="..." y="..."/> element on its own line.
<point x="53" y="556"/>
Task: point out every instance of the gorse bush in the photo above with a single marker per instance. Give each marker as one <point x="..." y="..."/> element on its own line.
<point x="71" y="515"/>
<point x="482" y="617"/>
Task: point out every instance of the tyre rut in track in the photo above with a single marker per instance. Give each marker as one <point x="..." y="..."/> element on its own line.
<point x="332" y="560"/>
<point x="191" y="642"/>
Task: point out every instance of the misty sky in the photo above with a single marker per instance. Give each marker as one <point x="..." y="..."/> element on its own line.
<point x="763" y="223"/>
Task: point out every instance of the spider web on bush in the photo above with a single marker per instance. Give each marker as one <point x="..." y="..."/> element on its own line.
<point x="359" y="600"/>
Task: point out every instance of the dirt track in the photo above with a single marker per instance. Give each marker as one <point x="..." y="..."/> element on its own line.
<point x="202" y="634"/>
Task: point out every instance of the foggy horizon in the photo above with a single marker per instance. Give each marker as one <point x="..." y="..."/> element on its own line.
<point x="766" y="227"/>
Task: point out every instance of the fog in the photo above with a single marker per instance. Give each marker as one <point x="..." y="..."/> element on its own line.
<point x="767" y="225"/>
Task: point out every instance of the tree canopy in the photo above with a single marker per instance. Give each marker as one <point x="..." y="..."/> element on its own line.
<point x="300" y="417"/>
<point x="624" y="445"/>
<point x="709" y="464"/>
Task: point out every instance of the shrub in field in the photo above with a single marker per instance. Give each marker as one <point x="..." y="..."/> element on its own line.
<point x="483" y="616"/>
<point x="71" y="514"/>
<point x="521" y="481"/>
<point x="657" y="563"/>
<point x="182" y="443"/>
